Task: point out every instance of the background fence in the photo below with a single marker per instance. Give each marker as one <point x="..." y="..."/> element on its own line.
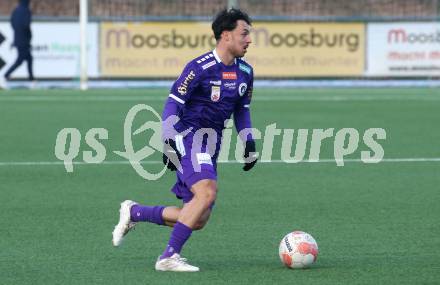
<point x="338" y="10"/>
<point x="313" y="39"/>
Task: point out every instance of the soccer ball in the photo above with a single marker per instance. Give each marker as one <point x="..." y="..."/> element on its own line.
<point x="298" y="250"/>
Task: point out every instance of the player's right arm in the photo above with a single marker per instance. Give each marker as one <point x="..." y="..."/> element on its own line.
<point x="180" y="93"/>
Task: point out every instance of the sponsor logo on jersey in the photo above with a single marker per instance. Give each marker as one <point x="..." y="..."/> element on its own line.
<point x="242" y="88"/>
<point x="215" y="82"/>
<point x="183" y="87"/>
<point x="245" y="68"/>
<point x="230" y="85"/>
<point x="215" y="93"/>
<point x="229" y="75"/>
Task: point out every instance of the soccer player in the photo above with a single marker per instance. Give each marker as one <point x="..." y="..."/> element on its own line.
<point x="210" y="89"/>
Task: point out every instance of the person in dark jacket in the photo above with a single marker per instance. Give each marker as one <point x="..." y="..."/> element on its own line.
<point x="21" y="24"/>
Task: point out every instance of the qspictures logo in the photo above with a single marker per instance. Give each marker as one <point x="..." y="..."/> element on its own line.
<point x="345" y="142"/>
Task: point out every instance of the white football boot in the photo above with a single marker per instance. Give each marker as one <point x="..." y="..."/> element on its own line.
<point x="125" y="224"/>
<point x="175" y="263"/>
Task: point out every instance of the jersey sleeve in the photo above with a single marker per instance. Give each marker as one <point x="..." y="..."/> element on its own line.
<point x="180" y="93"/>
<point x="185" y="85"/>
<point x="242" y="115"/>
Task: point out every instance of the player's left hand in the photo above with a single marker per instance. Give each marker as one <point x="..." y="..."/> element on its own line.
<point x="250" y="157"/>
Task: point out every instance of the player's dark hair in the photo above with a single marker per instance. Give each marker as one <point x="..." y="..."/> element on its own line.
<point x="226" y="20"/>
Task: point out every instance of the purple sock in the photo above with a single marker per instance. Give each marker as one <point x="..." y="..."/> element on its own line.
<point x="140" y="213"/>
<point x="179" y="236"/>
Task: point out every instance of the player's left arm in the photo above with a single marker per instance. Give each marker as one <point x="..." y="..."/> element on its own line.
<point x="243" y="124"/>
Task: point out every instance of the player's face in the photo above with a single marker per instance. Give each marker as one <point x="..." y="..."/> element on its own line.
<point x="240" y="39"/>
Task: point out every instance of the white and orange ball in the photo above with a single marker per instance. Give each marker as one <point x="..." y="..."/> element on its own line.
<point x="298" y="250"/>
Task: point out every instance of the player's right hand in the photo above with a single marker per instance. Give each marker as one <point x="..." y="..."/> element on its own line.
<point x="170" y="154"/>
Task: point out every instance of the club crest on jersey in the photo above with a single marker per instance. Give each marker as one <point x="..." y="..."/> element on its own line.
<point x="183" y="87"/>
<point x="215" y="93"/>
<point x="242" y="88"/>
<point x="229" y="75"/>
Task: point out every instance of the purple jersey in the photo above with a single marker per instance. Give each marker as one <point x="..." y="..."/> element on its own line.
<point x="208" y="92"/>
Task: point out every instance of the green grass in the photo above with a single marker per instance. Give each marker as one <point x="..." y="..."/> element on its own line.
<point x="374" y="223"/>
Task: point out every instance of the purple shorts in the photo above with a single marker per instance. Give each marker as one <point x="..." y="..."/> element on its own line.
<point x="199" y="161"/>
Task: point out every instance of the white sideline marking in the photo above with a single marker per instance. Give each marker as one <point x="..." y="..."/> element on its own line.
<point x="147" y="98"/>
<point x="115" y="162"/>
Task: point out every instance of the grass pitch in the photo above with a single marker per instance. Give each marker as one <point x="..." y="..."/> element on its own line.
<point x="374" y="223"/>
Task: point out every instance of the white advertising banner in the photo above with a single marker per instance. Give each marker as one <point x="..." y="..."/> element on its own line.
<point x="55" y="49"/>
<point x="403" y="49"/>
